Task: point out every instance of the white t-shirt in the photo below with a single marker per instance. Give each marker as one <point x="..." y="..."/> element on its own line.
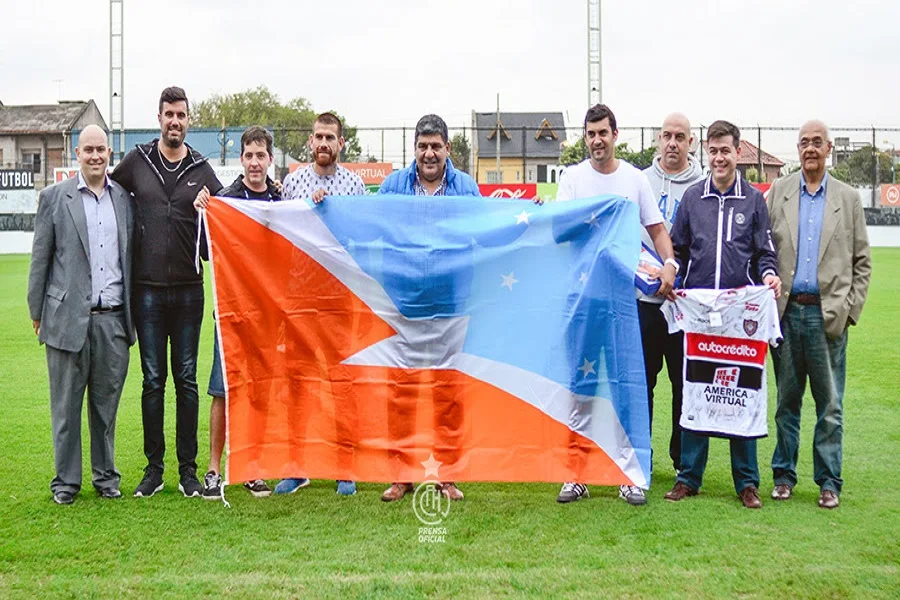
<point x="726" y="338"/>
<point x="584" y="181"/>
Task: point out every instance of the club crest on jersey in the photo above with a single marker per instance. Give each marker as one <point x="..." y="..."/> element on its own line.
<point x="739" y="218"/>
<point x="727" y="377"/>
<point x="750" y="326"/>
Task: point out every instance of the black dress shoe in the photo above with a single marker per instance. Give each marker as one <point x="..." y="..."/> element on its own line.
<point x="110" y="493"/>
<point x="64" y="497"/>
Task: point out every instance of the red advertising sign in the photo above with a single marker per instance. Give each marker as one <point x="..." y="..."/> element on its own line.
<point x="764" y="188"/>
<point x="528" y="191"/>
<point x="63" y="173"/>
<point x="371" y="173"/>
<point x="890" y="195"/>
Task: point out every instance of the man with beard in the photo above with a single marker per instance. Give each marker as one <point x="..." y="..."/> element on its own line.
<point x="323" y="177"/>
<point x="164" y="177"/>
<point x="672" y="172"/>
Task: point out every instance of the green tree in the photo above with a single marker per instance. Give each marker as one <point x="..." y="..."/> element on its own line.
<point x="752" y="175"/>
<point x="291" y="122"/>
<point x="572" y="154"/>
<point x="857" y="168"/>
<point x="460" y="151"/>
<point x="577" y="152"/>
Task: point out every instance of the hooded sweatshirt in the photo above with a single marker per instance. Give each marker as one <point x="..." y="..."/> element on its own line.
<point x="669" y="190"/>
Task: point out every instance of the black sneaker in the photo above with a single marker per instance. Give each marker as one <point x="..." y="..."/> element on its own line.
<point x="63" y="498"/>
<point x="150" y="484"/>
<point x="259" y="488"/>
<point x="190" y="485"/>
<point x="212" y="486"/>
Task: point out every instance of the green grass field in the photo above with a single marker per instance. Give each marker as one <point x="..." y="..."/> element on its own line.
<point x="503" y="540"/>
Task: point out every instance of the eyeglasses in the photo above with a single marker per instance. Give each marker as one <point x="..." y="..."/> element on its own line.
<point x="815" y="143"/>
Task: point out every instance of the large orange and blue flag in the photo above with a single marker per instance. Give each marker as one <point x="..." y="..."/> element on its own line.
<point x="364" y="335"/>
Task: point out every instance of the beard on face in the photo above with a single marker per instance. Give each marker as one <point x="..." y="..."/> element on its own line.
<point x="174" y="142"/>
<point x="324" y="157"/>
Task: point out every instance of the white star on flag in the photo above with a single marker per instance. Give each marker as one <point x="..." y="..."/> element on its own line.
<point x="522" y="217"/>
<point x="431" y="466"/>
<point x="588" y="367"/>
<point x="593" y="220"/>
<point x="508" y="281"/>
<point x="584" y="277"/>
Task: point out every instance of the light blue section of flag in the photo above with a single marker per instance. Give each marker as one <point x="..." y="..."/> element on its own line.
<point x="548" y="289"/>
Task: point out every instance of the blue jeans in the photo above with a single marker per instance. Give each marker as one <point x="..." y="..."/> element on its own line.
<point x="807" y="353"/>
<point x="695" y="451"/>
<point x="165" y="315"/>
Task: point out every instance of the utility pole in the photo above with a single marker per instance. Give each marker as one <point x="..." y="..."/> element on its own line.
<point x="497" y="133"/>
<point x="595" y="67"/>
<point x="116" y="76"/>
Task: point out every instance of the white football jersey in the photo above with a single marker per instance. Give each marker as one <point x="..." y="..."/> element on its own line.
<point x="726" y="338"/>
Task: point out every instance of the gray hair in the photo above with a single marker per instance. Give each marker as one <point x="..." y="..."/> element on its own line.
<point x="431" y="125"/>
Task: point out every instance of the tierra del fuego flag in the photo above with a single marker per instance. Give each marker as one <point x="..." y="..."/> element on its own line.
<point x="364" y="335"/>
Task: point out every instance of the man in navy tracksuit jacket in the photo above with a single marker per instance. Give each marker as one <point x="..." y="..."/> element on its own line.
<point x="722" y="239"/>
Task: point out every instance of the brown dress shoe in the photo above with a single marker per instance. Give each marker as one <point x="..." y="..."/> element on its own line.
<point x="750" y="497"/>
<point x="396" y="491"/>
<point x="451" y="491"/>
<point x="680" y="492"/>
<point x="828" y="499"/>
<point x="782" y="491"/>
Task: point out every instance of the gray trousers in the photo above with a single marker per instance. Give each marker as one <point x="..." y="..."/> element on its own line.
<point x="100" y="366"/>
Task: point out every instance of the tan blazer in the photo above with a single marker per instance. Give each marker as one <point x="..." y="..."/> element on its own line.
<point x="845" y="265"/>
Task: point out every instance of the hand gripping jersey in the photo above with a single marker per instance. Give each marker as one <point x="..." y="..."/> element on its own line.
<point x="726" y="337"/>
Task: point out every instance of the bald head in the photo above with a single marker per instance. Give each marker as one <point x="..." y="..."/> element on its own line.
<point x="814" y="146"/>
<point x="93" y="154"/>
<point x="675" y="143"/>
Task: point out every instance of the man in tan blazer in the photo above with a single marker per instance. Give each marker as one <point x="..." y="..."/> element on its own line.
<point x="820" y="236"/>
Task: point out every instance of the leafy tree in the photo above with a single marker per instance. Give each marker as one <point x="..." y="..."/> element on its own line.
<point x="460" y="151"/>
<point x="752" y="175"/>
<point x="577" y="152"/>
<point x="572" y="154"/>
<point x="291" y="122"/>
<point x="857" y="168"/>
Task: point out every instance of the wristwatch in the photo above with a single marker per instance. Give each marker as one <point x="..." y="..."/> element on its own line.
<point x="673" y="262"/>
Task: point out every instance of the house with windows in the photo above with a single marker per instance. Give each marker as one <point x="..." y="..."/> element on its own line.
<point x="529" y="145"/>
<point x="37" y="137"/>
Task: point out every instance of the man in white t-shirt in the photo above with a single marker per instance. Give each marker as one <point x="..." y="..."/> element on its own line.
<point x="599" y="175"/>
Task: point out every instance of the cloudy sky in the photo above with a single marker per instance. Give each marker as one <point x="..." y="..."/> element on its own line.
<point x="387" y="63"/>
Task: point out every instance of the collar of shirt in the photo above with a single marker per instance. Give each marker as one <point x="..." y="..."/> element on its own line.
<point x="82" y="184"/>
<point x="439" y="191"/>
<point x="805" y="189"/>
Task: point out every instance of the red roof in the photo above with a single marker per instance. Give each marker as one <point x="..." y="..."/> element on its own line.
<point x="750" y="156"/>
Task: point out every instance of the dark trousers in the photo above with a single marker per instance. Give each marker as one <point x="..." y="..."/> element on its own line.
<point x="658" y="343"/>
<point x="163" y="316"/>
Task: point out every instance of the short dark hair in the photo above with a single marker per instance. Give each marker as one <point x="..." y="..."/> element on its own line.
<point x="329" y="118"/>
<point x="431" y="125"/>
<point x="720" y="129"/>
<point x="172" y="95"/>
<point x="256" y="134"/>
<point x="598" y="112"/>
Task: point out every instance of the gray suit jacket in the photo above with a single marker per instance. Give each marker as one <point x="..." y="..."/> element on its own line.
<point x="59" y="282"/>
<point x="844" y="267"/>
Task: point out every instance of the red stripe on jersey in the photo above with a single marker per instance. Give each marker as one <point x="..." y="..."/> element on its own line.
<point x="727" y="349"/>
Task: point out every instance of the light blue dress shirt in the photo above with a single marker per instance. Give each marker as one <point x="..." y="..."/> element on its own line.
<point x="809" y="236"/>
<point x="107" y="288"/>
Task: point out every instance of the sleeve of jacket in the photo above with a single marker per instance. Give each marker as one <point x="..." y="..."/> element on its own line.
<point x="123" y="174"/>
<point x="765" y="259"/>
<point x="391" y="185"/>
<point x="681" y="234"/>
<point x="42" y="250"/>
<point x="215" y="188"/>
<point x="468" y="187"/>
<point x="862" y="262"/>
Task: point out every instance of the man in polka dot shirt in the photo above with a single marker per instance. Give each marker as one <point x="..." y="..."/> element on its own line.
<point x="324" y="176"/>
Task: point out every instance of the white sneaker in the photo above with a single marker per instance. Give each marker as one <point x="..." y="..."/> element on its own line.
<point x="632" y="495"/>
<point x="572" y="491"/>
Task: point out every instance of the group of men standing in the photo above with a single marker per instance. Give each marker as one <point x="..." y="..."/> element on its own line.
<point x="114" y="261"/>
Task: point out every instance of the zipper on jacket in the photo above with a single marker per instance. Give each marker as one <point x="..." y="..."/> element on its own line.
<point x="719" y="242"/>
<point x="687" y="272"/>
<point x="730" y="221"/>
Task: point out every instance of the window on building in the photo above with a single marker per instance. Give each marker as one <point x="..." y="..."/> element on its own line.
<point x="34" y="159"/>
<point x="494" y="177"/>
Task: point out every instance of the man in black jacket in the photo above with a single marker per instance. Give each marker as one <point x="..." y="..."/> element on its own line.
<point x="164" y="177"/>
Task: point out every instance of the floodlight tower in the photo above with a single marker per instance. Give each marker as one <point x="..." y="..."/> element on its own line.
<point x="116" y="78"/>
<point x="595" y="71"/>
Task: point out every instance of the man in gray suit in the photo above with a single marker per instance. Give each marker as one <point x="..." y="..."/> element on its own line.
<point x="79" y="294"/>
<point x="819" y="231"/>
